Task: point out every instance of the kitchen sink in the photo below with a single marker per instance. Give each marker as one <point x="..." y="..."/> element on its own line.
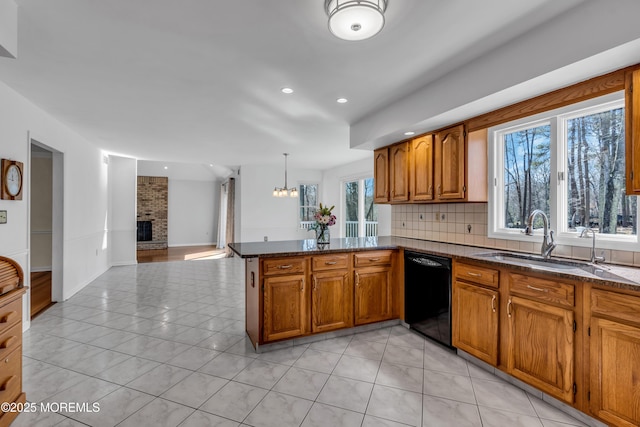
<point x="553" y="264"/>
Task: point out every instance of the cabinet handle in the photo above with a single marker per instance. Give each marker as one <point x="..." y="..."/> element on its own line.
<point x="493" y="303"/>
<point x="315" y="283"/>
<point x="430" y="190"/>
<point x="330" y="262"/>
<point x="537" y="289"/>
<point x="253" y="279"/>
<point x="509" y="308"/>
<point x="8" y="342"/>
<point x="357" y="279"/>
<point x="301" y="285"/>
<point x="374" y="259"/>
<point x="5" y="385"/>
<point x="8" y="316"/>
<point x="474" y="274"/>
<point x="439" y="191"/>
<point x="284" y="267"/>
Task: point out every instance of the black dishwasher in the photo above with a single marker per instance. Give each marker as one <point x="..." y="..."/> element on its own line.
<point x="427" y="295"/>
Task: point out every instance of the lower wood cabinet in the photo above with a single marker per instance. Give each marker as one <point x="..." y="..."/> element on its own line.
<point x="541" y="346"/>
<point x="331" y="301"/>
<point x="285" y="307"/>
<point x="475" y="320"/>
<point x="11" y="351"/>
<point x="373" y="294"/>
<point x="615" y="358"/>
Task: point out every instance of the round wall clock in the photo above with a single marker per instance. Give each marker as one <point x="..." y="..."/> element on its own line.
<point x="11" y="180"/>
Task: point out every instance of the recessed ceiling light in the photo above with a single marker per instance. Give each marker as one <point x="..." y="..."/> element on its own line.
<point x="342" y="100"/>
<point x="409" y="133"/>
<point x="286" y="90"/>
<point x="166" y="167"/>
<point x="211" y="164"/>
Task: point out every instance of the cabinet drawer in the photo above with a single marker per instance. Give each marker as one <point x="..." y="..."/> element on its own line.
<point x="10" y="339"/>
<point x="613" y="304"/>
<point x="11" y="376"/>
<point x="363" y="259"/>
<point x="481" y="275"/>
<point x="283" y="266"/>
<point x="10" y="314"/>
<point x="542" y="289"/>
<point x="330" y="262"/>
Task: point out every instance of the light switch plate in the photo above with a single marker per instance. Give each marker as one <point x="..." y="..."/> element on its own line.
<point x="3" y="217"/>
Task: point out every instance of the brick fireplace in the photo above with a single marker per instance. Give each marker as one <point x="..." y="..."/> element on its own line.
<point x="153" y="207"/>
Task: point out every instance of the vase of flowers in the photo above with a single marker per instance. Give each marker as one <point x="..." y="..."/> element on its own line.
<point x="324" y="219"/>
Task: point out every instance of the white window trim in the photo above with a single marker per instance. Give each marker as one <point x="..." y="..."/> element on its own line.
<point x="343" y="208"/>
<point x="298" y="205"/>
<point x="557" y="119"/>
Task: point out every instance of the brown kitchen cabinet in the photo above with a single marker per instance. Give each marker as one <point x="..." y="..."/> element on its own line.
<point x="614" y="354"/>
<point x="11" y="347"/>
<point x="399" y="172"/>
<point x="450" y="163"/>
<point x="475" y="315"/>
<point x="285" y="298"/>
<point x="540" y="329"/>
<point x="332" y="293"/>
<point x="373" y="287"/>
<point x="381" y="175"/>
<point x="421" y="169"/>
<point x="450" y="166"/>
<point x="632" y="129"/>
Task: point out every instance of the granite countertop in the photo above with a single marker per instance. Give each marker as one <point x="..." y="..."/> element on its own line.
<point x="610" y="275"/>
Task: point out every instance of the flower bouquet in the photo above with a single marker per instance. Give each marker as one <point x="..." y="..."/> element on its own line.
<point x="324" y="219"/>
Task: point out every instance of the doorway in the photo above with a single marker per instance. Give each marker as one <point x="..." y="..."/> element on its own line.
<point x="45" y="227"/>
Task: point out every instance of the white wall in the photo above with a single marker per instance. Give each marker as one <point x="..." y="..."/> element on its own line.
<point x="122" y="210"/>
<point x="193" y="212"/>
<point x="261" y="214"/>
<point x="332" y="184"/>
<point x="85" y="193"/>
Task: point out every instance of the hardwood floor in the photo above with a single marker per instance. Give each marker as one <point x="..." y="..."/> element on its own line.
<point x="182" y="253"/>
<point x="40" y="292"/>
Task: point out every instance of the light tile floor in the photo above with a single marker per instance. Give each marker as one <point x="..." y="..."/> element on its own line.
<point x="163" y="344"/>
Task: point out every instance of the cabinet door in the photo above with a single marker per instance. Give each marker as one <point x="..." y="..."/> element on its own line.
<point x="475" y="321"/>
<point x="399" y="172"/>
<point x="422" y="168"/>
<point x="450" y="163"/>
<point x="632" y="125"/>
<point x="331" y="301"/>
<point x="381" y="175"/>
<point x="285" y="307"/>
<point x="541" y="346"/>
<point x="615" y="372"/>
<point x="372" y="295"/>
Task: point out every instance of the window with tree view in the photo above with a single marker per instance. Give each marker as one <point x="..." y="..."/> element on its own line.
<point x="569" y="163"/>
<point x="308" y="204"/>
<point x="361" y="214"/>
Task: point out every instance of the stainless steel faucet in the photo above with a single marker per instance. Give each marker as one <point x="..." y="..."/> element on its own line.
<point x="548" y="245"/>
<point x="594" y="259"/>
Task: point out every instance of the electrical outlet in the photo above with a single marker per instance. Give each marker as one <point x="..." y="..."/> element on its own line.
<point x="421" y="216"/>
<point x="468" y="228"/>
<point x="266" y="238"/>
<point x="3" y="217"/>
<point x="437" y="216"/>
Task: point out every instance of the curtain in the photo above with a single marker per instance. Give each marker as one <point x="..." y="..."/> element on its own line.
<point x="231" y="201"/>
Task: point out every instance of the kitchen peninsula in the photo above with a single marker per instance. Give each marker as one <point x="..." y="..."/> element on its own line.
<point x="569" y="328"/>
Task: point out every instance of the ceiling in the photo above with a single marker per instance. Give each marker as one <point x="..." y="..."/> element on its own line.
<point x="198" y="81"/>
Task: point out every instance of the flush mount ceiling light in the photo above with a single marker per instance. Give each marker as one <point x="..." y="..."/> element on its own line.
<point x="409" y="133"/>
<point x="284" y="191"/>
<point x="355" y="19"/>
<point x="286" y="90"/>
<point x="342" y="100"/>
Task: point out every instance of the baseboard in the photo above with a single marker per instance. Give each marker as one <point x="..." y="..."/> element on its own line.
<point x="41" y="269"/>
<point x="182" y="245"/>
<point x="123" y="263"/>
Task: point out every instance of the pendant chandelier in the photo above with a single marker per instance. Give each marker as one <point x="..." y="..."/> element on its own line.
<point x="284" y="191"/>
<point x="355" y="19"/>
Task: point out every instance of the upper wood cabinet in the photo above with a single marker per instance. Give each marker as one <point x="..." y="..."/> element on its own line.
<point x="399" y="172"/>
<point x="632" y="126"/>
<point x="381" y="175"/>
<point x="433" y="168"/>
<point x="450" y="163"/>
<point x="421" y="170"/>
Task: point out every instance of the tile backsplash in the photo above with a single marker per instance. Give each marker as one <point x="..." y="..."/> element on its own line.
<point x="450" y="223"/>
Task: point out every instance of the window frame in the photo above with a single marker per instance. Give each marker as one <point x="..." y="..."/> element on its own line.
<point x="558" y="148"/>
<point x="300" y="206"/>
<point x="360" y="178"/>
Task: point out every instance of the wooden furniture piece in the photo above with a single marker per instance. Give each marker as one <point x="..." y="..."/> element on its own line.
<point x="294" y="296"/>
<point x="450" y="166"/>
<point x="12" y="287"/>
<point x="614" y="372"/>
<point x="475" y="311"/>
